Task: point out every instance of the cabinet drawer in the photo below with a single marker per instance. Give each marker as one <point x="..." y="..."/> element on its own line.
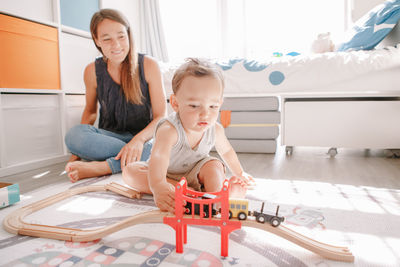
<point x="252" y="132"/>
<point x="29" y="54"/>
<point x="32" y="127"/>
<point x="255" y="117"/>
<point x="41" y="10"/>
<point x="351" y="124"/>
<point x="267" y="103"/>
<point x="253" y="146"/>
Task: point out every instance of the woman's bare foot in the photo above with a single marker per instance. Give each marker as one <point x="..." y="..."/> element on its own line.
<point x="238" y="188"/>
<point x="77" y="170"/>
<point x="73" y="158"/>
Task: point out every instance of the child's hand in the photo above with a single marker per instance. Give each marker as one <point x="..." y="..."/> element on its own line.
<point x="164" y="197"/>
<point x="247" y="179"/>
<point x="237" y="187"/>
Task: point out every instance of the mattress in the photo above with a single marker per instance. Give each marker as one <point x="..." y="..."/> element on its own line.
<point x="345" y="72"/>
<point x="250" y="103"/>
<point x="262" y="132"/>
<point x="253" y="146"/>
<point x="255" y="117"/>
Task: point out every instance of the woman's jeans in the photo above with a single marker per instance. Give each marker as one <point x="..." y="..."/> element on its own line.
<point x="94" y="144"/>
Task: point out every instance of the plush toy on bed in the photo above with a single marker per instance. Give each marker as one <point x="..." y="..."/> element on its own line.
<point x="323" y="43"/>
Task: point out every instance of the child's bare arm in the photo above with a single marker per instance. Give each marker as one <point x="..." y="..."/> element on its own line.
<point x="164" y="192"/>
<point x="228" y="154"/>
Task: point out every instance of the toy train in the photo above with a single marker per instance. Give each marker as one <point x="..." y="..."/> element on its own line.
<point x="238" y="208"/>
<point x="206" y="208"/>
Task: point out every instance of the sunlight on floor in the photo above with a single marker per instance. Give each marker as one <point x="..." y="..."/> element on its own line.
<point x="40" y="175"/>
<point x="334" y="196"/>
<point x="25" y="197"/>
<point x="374" y="250"/>
<point x="87" y="205"/>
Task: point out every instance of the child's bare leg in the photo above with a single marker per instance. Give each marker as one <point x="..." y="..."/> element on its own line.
<point x="211" y="175"/>
<point x="135" y="175"/>
<point x="77" y="170"/>
<point x="237" y="188"/>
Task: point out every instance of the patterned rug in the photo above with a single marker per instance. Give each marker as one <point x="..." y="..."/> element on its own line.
<point x="364" y="219"/>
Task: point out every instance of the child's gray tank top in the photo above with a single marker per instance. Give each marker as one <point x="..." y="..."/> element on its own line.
<point x="183" y="158"/>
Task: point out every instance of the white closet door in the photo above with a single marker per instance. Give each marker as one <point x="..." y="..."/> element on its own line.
<point x="32" y="127"/>
<point x="76" y="53"/>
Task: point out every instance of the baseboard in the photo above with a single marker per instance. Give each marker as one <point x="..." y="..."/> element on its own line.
<point x="27" y="166"/>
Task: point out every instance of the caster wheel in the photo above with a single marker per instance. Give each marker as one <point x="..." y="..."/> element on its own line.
<point x="388" y="153"/>
<point x="392" y="153"/>
<point x="332" y="152"/>
<point x="289" y="150"/>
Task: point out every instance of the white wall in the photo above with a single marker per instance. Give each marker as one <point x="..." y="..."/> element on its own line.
<point x="360" y="7"/>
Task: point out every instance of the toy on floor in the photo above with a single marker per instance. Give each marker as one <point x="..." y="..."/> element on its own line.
<point x="9" y="194"/>
<point x="238" y="208"/>
<point x="205" y="206"/>
<point x="14" y="222"/>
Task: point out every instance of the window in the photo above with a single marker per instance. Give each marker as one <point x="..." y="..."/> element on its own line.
<point x="248" y="28"/>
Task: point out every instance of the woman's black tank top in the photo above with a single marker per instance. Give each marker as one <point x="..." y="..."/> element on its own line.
<point x="116" y="113"/>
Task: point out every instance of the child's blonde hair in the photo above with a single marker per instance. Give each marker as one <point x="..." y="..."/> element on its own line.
<point x="197" y="68"/>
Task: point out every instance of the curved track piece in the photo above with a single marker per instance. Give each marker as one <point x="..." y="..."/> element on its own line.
<point x="14" y="224"/>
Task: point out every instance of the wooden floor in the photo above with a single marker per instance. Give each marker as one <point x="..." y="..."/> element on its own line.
<point x="350" y="166"/>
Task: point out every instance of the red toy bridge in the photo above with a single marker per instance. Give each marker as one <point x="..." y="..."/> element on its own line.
<point x="180" y="221"/>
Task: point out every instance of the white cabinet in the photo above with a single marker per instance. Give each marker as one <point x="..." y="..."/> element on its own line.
<point x="35" y="111"/>
<point x="358" y="122"/>
<point x="40" y="102"/>
<point x="31" y="127"/>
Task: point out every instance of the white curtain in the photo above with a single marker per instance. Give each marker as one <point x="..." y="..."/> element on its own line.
<point x="151" y="30"/>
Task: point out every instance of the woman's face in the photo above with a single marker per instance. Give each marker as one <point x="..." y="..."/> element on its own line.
<point x="112" y="38"/>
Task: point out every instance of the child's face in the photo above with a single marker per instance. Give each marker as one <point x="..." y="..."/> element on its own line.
<point x="113" y="40"/>
<point x="198" y="101"/>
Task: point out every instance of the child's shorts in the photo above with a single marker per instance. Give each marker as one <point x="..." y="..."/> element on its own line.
<point x="192" y="175"/>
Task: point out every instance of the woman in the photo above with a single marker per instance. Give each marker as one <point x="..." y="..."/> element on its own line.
<point x="128" y="86"/>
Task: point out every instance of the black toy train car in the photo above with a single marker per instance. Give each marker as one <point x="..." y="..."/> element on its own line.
<point x="206" y="207"/>
<point x="238" y="208"/>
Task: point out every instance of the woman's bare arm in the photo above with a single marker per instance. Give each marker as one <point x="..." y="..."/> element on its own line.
<point x="90" y="112"/>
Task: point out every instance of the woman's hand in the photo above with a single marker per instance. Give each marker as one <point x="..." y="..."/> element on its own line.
<point x="164" y="197"/>
<point x="131" y="152"/>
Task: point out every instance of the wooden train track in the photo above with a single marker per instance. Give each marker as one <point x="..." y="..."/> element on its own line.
<point x="14" y="223"/>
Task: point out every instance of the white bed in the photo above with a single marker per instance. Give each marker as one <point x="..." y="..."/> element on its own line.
<point x="334" y="99"/>
<point x="333" y="72"/>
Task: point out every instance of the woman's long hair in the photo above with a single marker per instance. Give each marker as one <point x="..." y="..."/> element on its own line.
<point x="130" y="79"/>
